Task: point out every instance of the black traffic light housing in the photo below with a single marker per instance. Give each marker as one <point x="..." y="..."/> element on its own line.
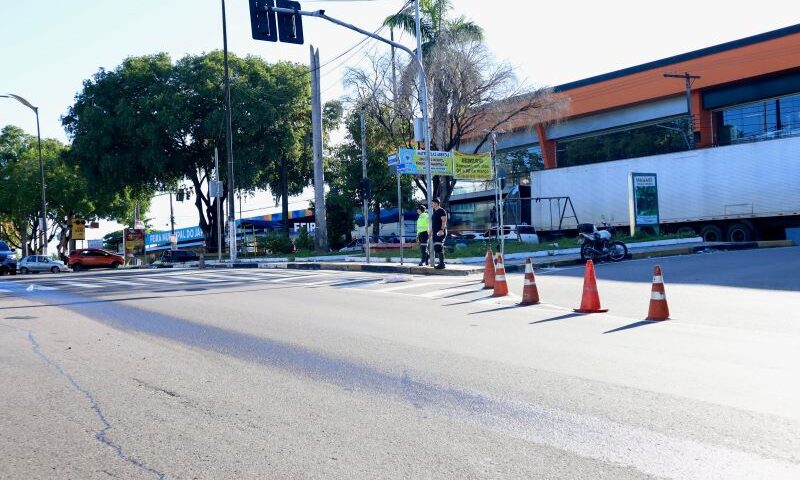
<point x="364" y="189"/>
<point x="290" y="26"/>
<point x="262" y="20"/>
<point x="270" y="26"/>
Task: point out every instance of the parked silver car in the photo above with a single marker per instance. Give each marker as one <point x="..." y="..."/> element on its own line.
<point x="40" y="263"/>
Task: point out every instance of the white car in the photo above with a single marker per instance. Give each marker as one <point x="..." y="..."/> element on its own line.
<point x="40" y="263"/>
<point x="523" y="233"/>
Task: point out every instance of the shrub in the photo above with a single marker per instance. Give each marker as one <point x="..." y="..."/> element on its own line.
<point x="304" y="240"/>
<point x="277" y="243"/>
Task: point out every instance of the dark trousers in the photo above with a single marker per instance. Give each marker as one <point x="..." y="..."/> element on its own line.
<point x="422" y="238"/>
<point x="438" y="246"/>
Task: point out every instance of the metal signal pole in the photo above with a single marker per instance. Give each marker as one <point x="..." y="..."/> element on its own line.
<point x="229" y="141"/>
<point x="364" y="181"/>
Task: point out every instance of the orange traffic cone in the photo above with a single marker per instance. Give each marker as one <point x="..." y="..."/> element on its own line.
<point x="488" y="270"/>
<point x="530" y="294"/>
<point x="590" y="303"/>
<point x="500" y="285"/>
<point x="658" y="299"/>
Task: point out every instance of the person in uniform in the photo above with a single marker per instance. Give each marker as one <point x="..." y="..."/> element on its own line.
<point x="439" y="229"/>
<point x="423" y="227"/>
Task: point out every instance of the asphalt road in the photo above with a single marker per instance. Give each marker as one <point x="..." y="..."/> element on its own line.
<point x="288" y="374"/>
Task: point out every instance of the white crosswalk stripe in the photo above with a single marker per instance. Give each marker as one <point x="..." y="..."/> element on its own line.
<point x="80" y="284"/>
<point x="121" y="282"/>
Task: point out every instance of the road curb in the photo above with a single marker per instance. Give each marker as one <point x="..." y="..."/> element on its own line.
<point x="464" y="270"/>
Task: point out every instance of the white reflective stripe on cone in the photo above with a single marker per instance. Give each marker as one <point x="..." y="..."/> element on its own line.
<point x="528" y="268"/>
<point x="657" y="296"/>
<point x="499" y="278"/>
<point x="529" y="282"/>
<point x="658" y="279"/>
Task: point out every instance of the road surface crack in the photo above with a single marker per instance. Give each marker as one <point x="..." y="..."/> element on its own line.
<point x="102" y="435"/>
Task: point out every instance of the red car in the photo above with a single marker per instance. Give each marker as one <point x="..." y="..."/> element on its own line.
<point x="94" y="258"/>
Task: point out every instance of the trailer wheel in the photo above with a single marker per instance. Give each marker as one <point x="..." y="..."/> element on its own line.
<point x="711" y="233"/>
<point x="739" y="232"/>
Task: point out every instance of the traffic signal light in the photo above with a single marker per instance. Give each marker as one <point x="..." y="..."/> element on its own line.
<point x="290" y="26"/>
<point x="364" y="190"/>
<point x="262" y="20"/>
<point x="271" y="26"/>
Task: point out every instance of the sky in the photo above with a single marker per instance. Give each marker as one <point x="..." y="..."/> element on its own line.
<point x="49" y="47"/>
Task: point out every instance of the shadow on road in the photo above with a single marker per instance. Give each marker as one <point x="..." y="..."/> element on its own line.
<point x="640" y="323"/>
<point x="560" y="317"/>
<point x="499" y="309"/>
<point x="767" y="269"/>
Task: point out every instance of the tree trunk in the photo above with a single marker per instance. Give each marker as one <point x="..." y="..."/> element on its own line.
<point x="376" y="225"/>
<point x="284" y="197"/>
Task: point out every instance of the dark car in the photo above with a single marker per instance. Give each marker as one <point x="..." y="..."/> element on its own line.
<point x="179" y="256"/>
<point x="94" y="258"/>
<point x="8" y="261"/>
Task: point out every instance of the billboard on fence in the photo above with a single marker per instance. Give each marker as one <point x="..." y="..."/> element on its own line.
<point x="475" y="167"/>
<point x="134" y="242"/>
<point x="644" y="201"/>
<point x="412" y="162"/>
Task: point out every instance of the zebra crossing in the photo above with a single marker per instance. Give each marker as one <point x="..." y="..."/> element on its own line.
<point x="452" y="289"/>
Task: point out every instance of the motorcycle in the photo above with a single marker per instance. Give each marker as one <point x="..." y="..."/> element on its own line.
<point x="597" y="244"/>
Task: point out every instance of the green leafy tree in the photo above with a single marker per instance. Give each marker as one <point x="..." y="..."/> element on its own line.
<point x="150" y="123"/>
<point x="469" y="92"/>
<point x="67" y="192"/>
<point x="345" y="168"/>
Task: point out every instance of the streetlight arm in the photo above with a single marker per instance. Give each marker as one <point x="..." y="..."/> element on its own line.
<point x="321" y="14"/>
<point x="20" y="100"/>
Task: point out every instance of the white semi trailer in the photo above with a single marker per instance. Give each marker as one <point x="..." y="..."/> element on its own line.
<point x="736" y="193"/>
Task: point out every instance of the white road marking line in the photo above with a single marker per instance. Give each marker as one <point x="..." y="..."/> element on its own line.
<point x="3" y="290"/>
<point x="161" y="280"/>
<point x="442" y="293"/>
<point x="412" y="285"/>
<point x="120" y="282"/>
<point x="35" y="287"/>
<point x="80" y="284"/>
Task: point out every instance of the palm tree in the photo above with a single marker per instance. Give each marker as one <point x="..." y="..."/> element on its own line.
<point x="434" y="23"/>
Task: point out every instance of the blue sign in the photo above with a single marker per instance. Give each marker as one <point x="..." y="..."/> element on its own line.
<point x="183" y="234"/>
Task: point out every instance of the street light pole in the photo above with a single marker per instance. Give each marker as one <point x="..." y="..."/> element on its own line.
<point x="417" y="56"/>
<point x="426" y="126"/>
<point x="229" y="141"/>
<point x="43" y="213"/>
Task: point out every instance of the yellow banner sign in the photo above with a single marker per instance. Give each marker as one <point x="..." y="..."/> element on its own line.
<point x="472" y="166"/>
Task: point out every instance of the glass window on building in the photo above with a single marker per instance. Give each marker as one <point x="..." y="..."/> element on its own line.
<point x="666" y="136"/>
<point x="517" y="163"/>
<point x="762" y="120"/>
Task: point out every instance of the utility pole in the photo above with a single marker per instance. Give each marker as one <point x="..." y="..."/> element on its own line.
<point x="689" y="80"/>
<point x="417" y="56"/>
<point x="172" y="245"/>
<point x="400" y="218"/>
<point x="320" y="215"/>
<point x="229" y="140"/>
<point x="498" y="191"/>
<point x="365" y="182"/>
<point x="426" y="126"/>
<point x="217" y="202"/>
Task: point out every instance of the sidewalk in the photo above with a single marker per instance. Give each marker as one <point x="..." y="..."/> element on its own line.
<point x="516" y="264"/>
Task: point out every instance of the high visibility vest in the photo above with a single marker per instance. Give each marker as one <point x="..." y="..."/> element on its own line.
<point x="422" y="222"/>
